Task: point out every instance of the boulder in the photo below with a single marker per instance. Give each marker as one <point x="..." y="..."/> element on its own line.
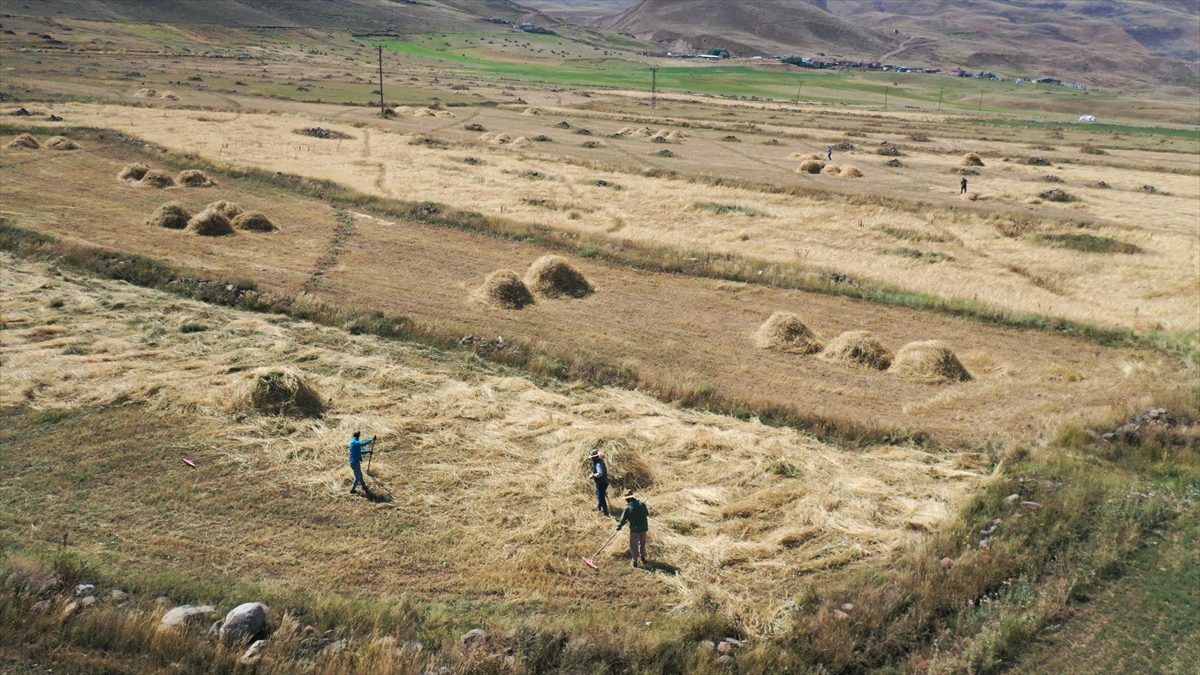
<point x="246" y="621"/>
<point x="118" y="595"/>
<point x="84" y="589"/>
<point x="253" y="653"/>
<point x="184" y="615"/>
<point x="475" y="638"/>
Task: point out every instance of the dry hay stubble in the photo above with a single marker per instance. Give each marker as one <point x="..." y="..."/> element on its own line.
<point x="171" y="216"/>
<point x="551" y="276"/>
<point x="504" y="289"/>
<point x="785" y="332"/>
<point x="210" y="223"/>
<point x="858" y="348"/>
<point x="929" y="361"/>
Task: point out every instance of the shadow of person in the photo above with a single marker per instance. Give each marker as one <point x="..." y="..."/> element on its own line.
<point x="659" y="566"/>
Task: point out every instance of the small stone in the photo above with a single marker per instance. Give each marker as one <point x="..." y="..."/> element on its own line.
<point x="724" y="647"/>
<point x="87" y="601"/>
<point x="118" y="595"/>
<point x="185" y="614"/>
<point x="246" y="621"/>
<point x="84" y="589"/>
<point x="984" y="543"/>
<point x="474" y="638"/>
<point x="1032" y="505"/>
<point x="947" y="562"/>
<point x="734" y="641"/>
<point x="309" y="630"/>
<point x="69" y="610"/>
<point x="1013" y="499"/>
<point x="725" y="660"/>
<point x="708" y="645"/>
<point x="254" y="652"/>
<point x="840" y="615"/>
<point x="849" y="606"/>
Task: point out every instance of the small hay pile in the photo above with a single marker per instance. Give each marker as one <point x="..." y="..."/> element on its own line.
<point x="551" y="276"/>
<point x="521" y="142"/>
<point x="504" y="289"/>
<point x="156" y="179"/>
<point x="785" y="332"/>
<point x="133" y="172"/>
<point x="929" y="361"/>
<point x="210" y="223"/>
<point x="591" y="145"/>
<point x="972" y="159"/>
<point x="500" y="139"/>
<point x="858" y="348"/>
<point x="253" y="221"/>
<point x="24" y="141"/>
<point x="533" y="111"/>
<point x="230" y="210"/>
<point x="282" y="392"/>
<point x="171" y="216"/>
<point x="169" y="96"/>
<point x="194" y="178"/>
<point x="61" y="143"/>
<point x="811" y="166"/>
<point x="145" y="93"/>
<point x="851" y="172"/>
<point x="832" y="169"/>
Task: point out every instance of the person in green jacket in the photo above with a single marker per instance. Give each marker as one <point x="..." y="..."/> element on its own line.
<point x="638" y="518"/>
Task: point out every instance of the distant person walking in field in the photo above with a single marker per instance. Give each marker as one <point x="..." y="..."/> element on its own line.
<point x="600" y="476"/>
<point x="356" y="455"/>
<point x="829" y="153"/>
<point x="962" y="185"/>
<point x="638" y="518"/>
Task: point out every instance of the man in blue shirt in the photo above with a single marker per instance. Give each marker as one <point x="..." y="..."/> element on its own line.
<point x="600" y="475"/>
<point x="356" y="453"/>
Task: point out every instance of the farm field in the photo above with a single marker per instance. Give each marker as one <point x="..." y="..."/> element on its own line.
<point x="904" y="366"/>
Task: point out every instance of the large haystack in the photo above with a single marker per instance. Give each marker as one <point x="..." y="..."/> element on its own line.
<point x="500" y="139"/>
<point x="24" y="141"/>
<point x="852" y="172"/>
<point x="929" y="361"/>
<point x="61" y="143"/>
<point x="551" y="276"/>
<point x="972" y="159"/>
<point x="785" y="332"/>
<point x="145" y="93"/>
<point x="831" y="169"/>
<point x="210" y="223"/>
<point x="156" y="179"/>
<point x="228" y="209"/>
<point x="811" y="166"/>
<point x="253" y="221"/>
<point x="521" y="142"/>
<point x="858" y="348"/>
<point x="171" y="216"/>
<point x="133" y="172"/>
<point x="194" y="178"/>
<point x="504" y="289"/>
<point x="283" y="392"/>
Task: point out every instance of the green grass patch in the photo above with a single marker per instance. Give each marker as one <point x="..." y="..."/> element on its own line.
<point x="1086" y="243"/>
<point x="1189" y="134"/>
<point x="917" y="254"/>
<point x="730" y="209"/>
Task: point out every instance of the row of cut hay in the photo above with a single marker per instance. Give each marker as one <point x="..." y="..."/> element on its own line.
<point x="848" y="171"/>
<point x="662" y="135"/>
<point x="29" y="142"/>
<point x="926" y="361"/>
<point x="550" y="276"/>
<point x="217" y="219"/>
<point x="144" y="176"/>
<point x="151" y="93"/>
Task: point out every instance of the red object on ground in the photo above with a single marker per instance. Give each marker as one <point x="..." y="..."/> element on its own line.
<point x="189" y="462"/>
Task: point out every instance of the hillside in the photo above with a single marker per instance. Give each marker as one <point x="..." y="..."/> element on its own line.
<point x="1149" y="42"/>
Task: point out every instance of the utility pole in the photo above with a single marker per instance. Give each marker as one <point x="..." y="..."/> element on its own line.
<point x="981" y="101"/>
<point x="799" y="86"/>
<point x="653" y="87"/>
<point x="885" y="96"/>
<point x="382" y="108"/>
<point x="940" y="92"/>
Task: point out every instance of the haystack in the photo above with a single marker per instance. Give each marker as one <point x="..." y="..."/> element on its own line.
<point x="642" y="132"/>
<point x="145" y="93"/>
<point x="676" y="135"/>
<point x="521" y="142"/>
<point x="253" y="221"/>
<point x="972" y="159"/>
<point x="858" y="348"/>
<point x="133" y="172"/>
<point x="533" y="111"/>
<point x="811" y="166"/>
<point x="501" y="139"/>
<point x="852" y="172"/>
<point x="832" y="169"/>
<point x="283" y="392"/>
<point x="194" y="178"/>
<point x="210" y="223"/>
<point x="230" y="210"/>
<point x="504" y="289"/>
<point x="61" y="143"/>
<point x="156" y="179"/>
<point x="929" y="361"/>
<point x="551" y="276"/>
<point x="171" y="216"/>
<point x="785" y="332"/>
<point x="24" y="141"/>
<point x="169" y="96"/>
<point x="424" y="112"/>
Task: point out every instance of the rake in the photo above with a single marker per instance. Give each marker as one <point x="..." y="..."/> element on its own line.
<point x="591" y="562"/>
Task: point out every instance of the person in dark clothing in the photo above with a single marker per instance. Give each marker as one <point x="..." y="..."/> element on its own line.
<point x="829" y="152"/>
<point x="962" y="185"/>
<point x="638" y="518"/>
<point x="600" y="476"/>
<point x="356" y="455"/>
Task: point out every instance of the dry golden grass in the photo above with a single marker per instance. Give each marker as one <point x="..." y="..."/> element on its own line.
<point x="1152" y="290"/>
<point x="485" y="472"/>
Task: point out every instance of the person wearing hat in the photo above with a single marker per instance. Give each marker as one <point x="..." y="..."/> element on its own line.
<point x="639" y="526"/>
<point x="356" y="453"/>
<point x="600" y="476"/>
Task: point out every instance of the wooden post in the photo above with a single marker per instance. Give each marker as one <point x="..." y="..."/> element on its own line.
<point x="653" y="87"/>
<point x="940" y="92"/>
<point x="382" y="107"/>
<point x="981" y="101"/>
<point x="799" y="86"/>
